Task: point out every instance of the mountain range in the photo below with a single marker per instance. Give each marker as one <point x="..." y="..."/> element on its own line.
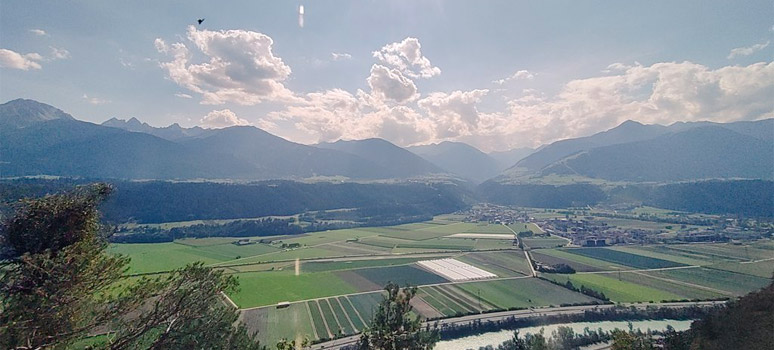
<point x="38" y="139"/>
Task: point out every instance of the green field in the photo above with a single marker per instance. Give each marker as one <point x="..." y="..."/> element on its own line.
<point x="267" y="288"/>
<point x="580" y="262"/>
<point x="731" y="282"/>
<point x="624" y="258"/>
<point x="615" y="289"/>
<point x="157" y="257"/>
<point x="544" y="242"/>
<point x="763" y="269"/>
<point x="523" y="293"/>
<point x="289" y="323"/>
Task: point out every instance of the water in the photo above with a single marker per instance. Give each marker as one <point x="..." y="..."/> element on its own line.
<point x="496" y="338"/>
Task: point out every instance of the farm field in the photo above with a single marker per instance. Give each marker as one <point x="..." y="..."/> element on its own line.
<point x="523" y="293"/>
<point x="731" y="282"/>
<point x="624" y="258"/>
<point x="341" y="272"/>
<point x="544" y="242"/>
<point x="615" y="289"/>
<point x="764" y="269"/>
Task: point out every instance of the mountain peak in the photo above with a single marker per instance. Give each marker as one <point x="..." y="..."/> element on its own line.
<point x="20" y="113"/>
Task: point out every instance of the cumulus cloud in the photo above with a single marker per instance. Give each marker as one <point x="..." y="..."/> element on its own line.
<point x="520" y="75"/>
<point x="454" y="114"/>
<point x="747" y="51"/>
<point x="15" y="60"/>
<point x="222" y="119"/>
<point x="38" y="32"/>
<point x="407" y="57"/>
<point x="336" y="56"/>
<point x="391" y="84"/>
<point x="59" y="54"/>
<point x="660" y="93"/>
<point x="239" y="67"/>
<point x="94" y="100"/>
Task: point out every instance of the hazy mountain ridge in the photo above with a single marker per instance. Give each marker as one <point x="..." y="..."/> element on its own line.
<point x="394" y="161"/>
<point x="699" y="153"/>
<point x="172" y="132"/>
<point x="38" y="139"/>
<point x="459" y="158"/>
<point x="679" y="152"/>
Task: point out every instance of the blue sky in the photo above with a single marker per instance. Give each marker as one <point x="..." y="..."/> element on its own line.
<point x="496" y="74"/>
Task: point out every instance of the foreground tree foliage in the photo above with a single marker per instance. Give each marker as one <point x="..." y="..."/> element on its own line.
<point x="58" y="285"/>
<point x="393" y="328"/>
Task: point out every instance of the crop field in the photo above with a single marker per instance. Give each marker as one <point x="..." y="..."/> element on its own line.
<point x="624" y="258"/>
<point x="289" y="323"/>
<point x="544" y="242"/>
<point x="503" y="264"/>
<point x="684" y="290"/>
<point x="522" y="293"/>
<point x="320" y="266"/>
<point x="681" y="259"/>
<point x="726" y="281"/>
<point x="520" y="227"/>
<point x="763" y="268"/>
<point x="377" y="277"/>
<point x="267" y="288"/>
<point x="157" y="257"/>
<point x="728" y="251"/>
<point x="615" y="289"/>
<point x="486" y="228"/>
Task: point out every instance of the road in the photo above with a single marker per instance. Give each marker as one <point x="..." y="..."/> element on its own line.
<point x="495" y="316"/>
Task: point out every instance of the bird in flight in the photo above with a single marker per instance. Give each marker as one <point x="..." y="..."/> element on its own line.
<point x="200" y="20"/>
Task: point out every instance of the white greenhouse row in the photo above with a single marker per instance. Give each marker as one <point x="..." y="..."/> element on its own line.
<point x="455" y="270"/>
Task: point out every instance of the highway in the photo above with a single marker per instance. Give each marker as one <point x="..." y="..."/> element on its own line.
<point x="495" y="316"/>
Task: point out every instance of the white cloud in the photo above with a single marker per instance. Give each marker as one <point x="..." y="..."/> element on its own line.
<point x="520" y="75"/>
<point x="240" y="67"/>
<point x="661" y="93"/>
<point x="390" y="84"/>
<point x="336" y="56"/>
<point x="59" y="54"/>
<point x="407" y="57"/>
<point x="94" y="100"/>
<point x="15" y="60"/>
<point x="38" y="32"/>
<point x="182" y="95"/>
<point x="454" y="114"/>
<point x="222" y="119"/>
<point x="747" y="51"/>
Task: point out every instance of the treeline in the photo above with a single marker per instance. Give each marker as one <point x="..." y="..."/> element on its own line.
<point x="165" y="201"/>
<point x="744" y="198"/>
<point x="617" y="313"/>
<point x="541" y="196"/>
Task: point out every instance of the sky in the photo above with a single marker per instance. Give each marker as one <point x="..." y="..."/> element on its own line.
<point x="495" y="74"/>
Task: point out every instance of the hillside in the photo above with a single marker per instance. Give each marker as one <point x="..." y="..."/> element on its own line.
<point x="395" y="162"/>
<point x="38" y="139"/>
<point x="459" y="158"/>
<point x="698" y="153"/>
<point x="628" y="131"/>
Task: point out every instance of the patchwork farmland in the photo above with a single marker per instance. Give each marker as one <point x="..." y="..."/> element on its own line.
<point x="329" y="283"/>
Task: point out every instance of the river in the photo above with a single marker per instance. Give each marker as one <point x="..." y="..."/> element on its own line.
<point x="496" y="338"/>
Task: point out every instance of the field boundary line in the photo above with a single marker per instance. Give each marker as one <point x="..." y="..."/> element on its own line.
<point x="466" y="308"/>
<point x="472" y="298"/>
<point x="322" y="316"/>
<point x="687" y="284"/>
<point x="231" y="302"/>
<point x="346" y="314"/>
<point x="365" y="324"/>
<point x="439" y="302"/>
<point x="641" y="270"/>
<point x="333" y="312"/>
<point x="311" y="319"/>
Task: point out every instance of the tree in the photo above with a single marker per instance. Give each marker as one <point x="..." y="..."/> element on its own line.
<point x="393" y="327"/>
<point x="631" y="340"/>
<point x="56" y="279"/>
<point x="58" y="284"/>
